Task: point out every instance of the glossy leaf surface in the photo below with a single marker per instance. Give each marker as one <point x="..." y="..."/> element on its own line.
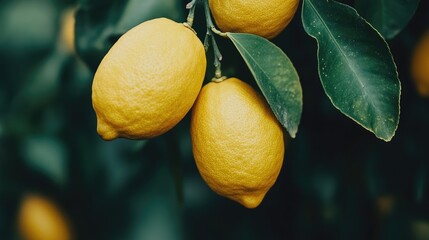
<point x="276" y="77"/>
<point x="389" y="17"/>
<point x="355" y="66"/>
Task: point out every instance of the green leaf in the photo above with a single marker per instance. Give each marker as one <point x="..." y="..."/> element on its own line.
<point x="26" y="27"/>
<point x="355" y="66"/>
<point x="41" y="85"/>
<point x="48" y="156"/>
<point x="389" y="17"/>
<point x="275" y="76"/>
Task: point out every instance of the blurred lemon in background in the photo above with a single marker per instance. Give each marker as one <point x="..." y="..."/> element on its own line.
<point x="420" y="65"/>
<point x="67" y="29"/>
<point x="40" y="219"/>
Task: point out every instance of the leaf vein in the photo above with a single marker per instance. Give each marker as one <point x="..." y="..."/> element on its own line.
<point x="353" y="70"/>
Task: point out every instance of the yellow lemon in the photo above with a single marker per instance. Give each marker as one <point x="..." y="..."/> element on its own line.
<point x="420" y="66"/>
<point x="67" y="29"/>
<point x="40" y="219"/>
<point x="237" y="142"/>
<point x="265" y="18"/>
<point x="148" y="80"/>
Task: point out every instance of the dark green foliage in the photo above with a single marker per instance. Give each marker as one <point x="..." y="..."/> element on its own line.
<point x="337" y="182"/>
<point x="389" y="17"/>
<point x="355" y="66"/>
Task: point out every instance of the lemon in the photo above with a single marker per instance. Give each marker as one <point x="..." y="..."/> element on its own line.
<point x="67" y="29"/>
<point x="237" y="142"/>
<point x="148" y="80"/>
<point x="40" y="219"/>
<point x="420" y="66"/>
<point x="264" y="18"/>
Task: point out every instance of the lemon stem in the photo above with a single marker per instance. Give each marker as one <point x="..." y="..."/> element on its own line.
<point x="217" y="58"/>
<point x="210" y="24"/>
<point x="191" y="6"/>
<point x="210" y="37"/>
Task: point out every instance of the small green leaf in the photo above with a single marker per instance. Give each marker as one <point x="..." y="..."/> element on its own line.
<point x="48" y="156"/>
<point x="389" y="17"/>
<point x="355" y="66"/>
<point x="275" y="76"/>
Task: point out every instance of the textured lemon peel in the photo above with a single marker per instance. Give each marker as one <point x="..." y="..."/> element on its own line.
<point x="237" y="142"/>
<point x="142" y="88"/>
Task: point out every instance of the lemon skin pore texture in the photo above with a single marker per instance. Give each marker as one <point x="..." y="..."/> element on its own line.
<point x="237" y="142"/>
<point x="41" y="219"/>
<point x="264" y="18"/>
<point x="148" y="80"/>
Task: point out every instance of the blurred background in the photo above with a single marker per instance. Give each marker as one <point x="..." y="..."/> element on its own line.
<point x="338" y="180"/>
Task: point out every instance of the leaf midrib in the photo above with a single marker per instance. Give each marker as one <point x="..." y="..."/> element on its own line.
<point x="257" y="64"/>
<point x="253" y="59"/>
<point x="365" y="93"/>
